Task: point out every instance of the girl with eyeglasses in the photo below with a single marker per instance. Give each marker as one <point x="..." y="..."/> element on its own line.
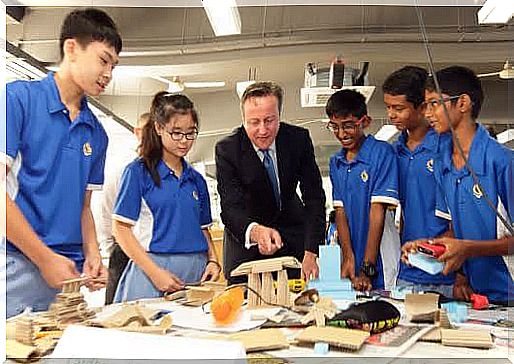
<point x="162" y="190"/>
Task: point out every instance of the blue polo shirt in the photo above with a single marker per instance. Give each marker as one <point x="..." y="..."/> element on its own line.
<point x="418" y="189"/>
<point x="371" y="177"/>
<point x="472" y="218"/>
<point x="177" y="211"/>
<point x="53" y="161"/>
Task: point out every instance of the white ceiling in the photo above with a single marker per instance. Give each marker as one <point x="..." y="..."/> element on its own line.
<point x="277" y="41"/>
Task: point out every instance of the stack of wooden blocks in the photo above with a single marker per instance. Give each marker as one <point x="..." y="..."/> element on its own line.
<point x="25" y="330"/>
<point x="69" y="306"/>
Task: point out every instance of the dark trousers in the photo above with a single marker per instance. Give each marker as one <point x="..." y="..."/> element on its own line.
<point x="117" y="263"/>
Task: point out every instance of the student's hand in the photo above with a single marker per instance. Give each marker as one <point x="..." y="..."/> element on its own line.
<point x="461" y="288"/>
<point x="455" y="254"/>
<point x="362" y="283"/>
<point x="166" y="281"/>
<point x="56" y="269"/>
<point x="310" y="269"/>
<point x="267" y="239"/>
<point x="94" y="268"/>
<point x="211" y="273"/>
<point x="348" y="267"/>
<point x="411" y="247"/>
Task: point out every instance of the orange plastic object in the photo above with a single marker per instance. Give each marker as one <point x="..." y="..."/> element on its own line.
<point x="226" y="307"/>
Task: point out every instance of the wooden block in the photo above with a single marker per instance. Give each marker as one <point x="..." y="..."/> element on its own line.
<point x="467" y="338"/>
<point x="215" y="286"/>
<point x="319" y="316"/>
<point x="267" y="291"/>
<point x="266" y="267"/>
<point x="261" y="340"/>
<point x="272" y="263"/>
<point x="254" y="283"/>
<point x="334" y="336"/>
<point x="200" y="294"/>
<point x="282" y="288"/>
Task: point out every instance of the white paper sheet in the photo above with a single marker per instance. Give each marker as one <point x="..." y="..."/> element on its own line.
<point x="89" y="342"/>
<point x="196" y="319"/>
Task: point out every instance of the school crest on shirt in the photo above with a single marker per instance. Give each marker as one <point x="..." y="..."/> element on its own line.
<point x="430" y="165"/>
<point x="364" y="176"/>
<point x="477" y="191"/>
<point x="86" y="148"/>
<point x="195" y="195"/>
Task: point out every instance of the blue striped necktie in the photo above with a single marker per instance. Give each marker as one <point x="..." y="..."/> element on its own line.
<point x="270" y="169"/>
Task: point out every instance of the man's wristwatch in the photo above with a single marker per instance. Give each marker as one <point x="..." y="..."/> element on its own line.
<point x="369" y="270"/>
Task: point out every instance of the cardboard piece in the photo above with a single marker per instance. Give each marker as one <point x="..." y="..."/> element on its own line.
<point x="422" y="307"/>
<point x="334" y="336"/>
<point x="160" y="329"/>
<point x="197" y="295"/>
<point x="467" y="338"/>
<point x="433" y="335"/>
<point x="127" y="314"/>
<point x="261" y="340"/>
<point x="21" y="352"/>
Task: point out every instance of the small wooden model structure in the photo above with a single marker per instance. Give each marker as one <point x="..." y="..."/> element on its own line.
<point x="69" y="306"/>
<point x="25" y="330"/>
<point x="260" y="280"/>
<point x="322" y="310"/>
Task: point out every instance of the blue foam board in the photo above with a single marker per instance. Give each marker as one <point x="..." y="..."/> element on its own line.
<point x="426" y="263"/>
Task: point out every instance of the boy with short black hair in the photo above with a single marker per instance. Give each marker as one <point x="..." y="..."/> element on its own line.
<point x="416" y="149"/>
<point x="481" y="240"/>
<point x="54" y="158"/>
<point x="364" y="177"/>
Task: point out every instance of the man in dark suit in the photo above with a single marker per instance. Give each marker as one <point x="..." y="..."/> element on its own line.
<point x="258" y="169"/>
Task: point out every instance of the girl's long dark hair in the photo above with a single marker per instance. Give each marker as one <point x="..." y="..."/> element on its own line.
<point x="164" y="107"/>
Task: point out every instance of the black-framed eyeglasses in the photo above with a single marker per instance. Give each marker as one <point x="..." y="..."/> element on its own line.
<point x="438" y="102"/>
<point x="178" y="136"/>
<point x="348" y="126"/>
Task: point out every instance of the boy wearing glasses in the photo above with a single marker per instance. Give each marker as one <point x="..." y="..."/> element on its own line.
<point x="416" y="149"/>
<point x="364" y="177"/>
<point x="54" y="158"/>
<point x="481" y="239"/>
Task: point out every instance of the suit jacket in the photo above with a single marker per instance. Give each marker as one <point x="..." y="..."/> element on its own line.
<point x="247" y="195"/>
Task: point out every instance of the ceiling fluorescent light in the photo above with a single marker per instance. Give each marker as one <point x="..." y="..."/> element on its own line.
<point x="242" y="86"/>
<point x="386" y="133"/>
<point x="173" y="86"/>
<point x="223" y="16"/>
<point x="496" y="12"/>
<point x="204" y="84"/>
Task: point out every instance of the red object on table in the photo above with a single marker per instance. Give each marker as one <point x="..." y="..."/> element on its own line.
<point x="479" y="302"/>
